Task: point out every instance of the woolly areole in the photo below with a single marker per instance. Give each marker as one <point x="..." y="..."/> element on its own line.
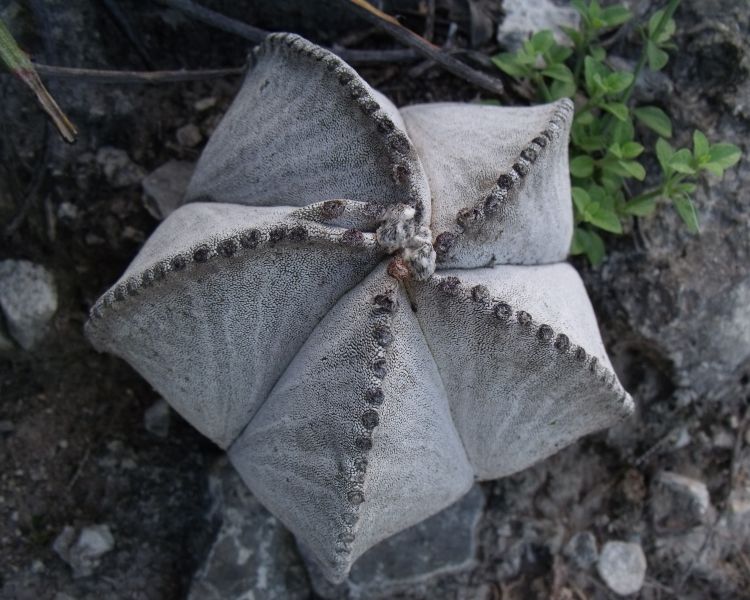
<point x="367" y="308"/>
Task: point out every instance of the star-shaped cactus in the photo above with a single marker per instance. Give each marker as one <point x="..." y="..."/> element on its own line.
<point x="291" y="311"/>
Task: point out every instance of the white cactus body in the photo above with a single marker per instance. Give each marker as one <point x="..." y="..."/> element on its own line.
<point x="291" y="310"/>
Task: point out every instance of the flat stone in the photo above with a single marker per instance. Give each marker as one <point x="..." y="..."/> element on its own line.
<point x="622" y="566"/>
<point x="679" y="502"/>
<point x="582" y="550"/>
<point x="444" y="543"/>
<point x="83" y="553"/>
<point x="117" y="167"/>
<point x="253" y="555"/>
<point x="156" y="418"/>
<point x="189" y="135"/>
<point x="28" y="300"/>
<point x="523" y="18"/>
<point x="164" y="188"/>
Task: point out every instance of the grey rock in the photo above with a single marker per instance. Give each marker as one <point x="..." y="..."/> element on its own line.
<point x="582" y="549"/>
<point x="444" y="543"/>
<point x="28" y="300"/>
<point x="622" y="566"/>
<point x="253" y="555"/>
<point x="679" y="502"/>
<point x="6" y="426"/>
<point x="164" y="188"/>
<point x="118" y="169"/>
<point x="524" y="18"/>
<point x="189" y="135"/>
<point x="156" y="418"/>
<point x="84" y="551"/>
<point x="204" y="104"/>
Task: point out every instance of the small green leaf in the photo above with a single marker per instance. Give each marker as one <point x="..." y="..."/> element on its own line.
<point x="582" y="166"/>
<point x="508" y="63"/>
<point x="642" y="207"/>
<point x="559" y="72"/>
<point x="618" y="109"/>
<point x="657" y="58"/>
<point x="584" y="118"/>
<point x="558" y="54"/>
<point x="598" y="53"/>
<point x="581" y="7"/>
<point x="686" y="210"/>
<point x="593" y="72"/>
<point x="542" y="40"/>
<point x="623" y="131"/>
<point x="681" y="162"/>
<point x="618" y="82"/>
<point x="573" y="34"/>
<point x="634" y="168"/>
<point x="700" y="144"/>
<point x="589" y="243"/>
<point x="714" y="168"/>
<point x="654" y="118"/>
<point x="605" y="219"/>
<point x="726" y="155"/>
<point x="581" y="199"/>
<point x="654" y="21"/>
<point x="664" y="153"/>
<point x="616" y="15"/>
<point x="562" y="89"/>
<point x="631" y="149"/>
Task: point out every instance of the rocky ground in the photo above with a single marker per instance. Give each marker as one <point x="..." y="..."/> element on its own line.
<point x="105" y="493"/>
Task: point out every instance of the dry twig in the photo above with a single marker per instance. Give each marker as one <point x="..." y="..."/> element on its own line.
<point x="20" y="65"/>
<point x="120" y="77"/>
<point x="256" y="35"/>
<point x="423" y="47"/>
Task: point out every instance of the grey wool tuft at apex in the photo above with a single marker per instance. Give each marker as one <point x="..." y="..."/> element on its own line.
<point x="367" y="307"/>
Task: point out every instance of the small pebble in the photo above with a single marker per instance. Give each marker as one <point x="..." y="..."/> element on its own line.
<point x="189" y="136"/>
<point x="622" y="566"/>
<point x="205" y="104"/>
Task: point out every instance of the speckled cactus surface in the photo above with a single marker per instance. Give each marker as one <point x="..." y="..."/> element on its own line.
<point x="368" y="308"/>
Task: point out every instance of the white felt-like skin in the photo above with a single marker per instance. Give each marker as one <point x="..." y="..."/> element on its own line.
<point x="214" y="337"/>
<point x="290" y="312"/>
<point x="317" y="132"/>
<point x="499" y="180"/>
<point x="348" y="449"/>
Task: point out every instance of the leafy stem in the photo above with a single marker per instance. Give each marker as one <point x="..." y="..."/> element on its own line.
<point x="606" y="147"/>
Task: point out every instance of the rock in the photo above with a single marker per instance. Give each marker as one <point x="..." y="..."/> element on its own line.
<point x="444" y="543"/>
<point x="164" y="188"/>
<point x="28" y="300"/>
<point x="678" y="502"/>
<point x="253" y="555"/>
<point x="582" y="549"/>
<point x="205" y="103"/>
<point x="156" y="418"/>
<point x="523" y="18"/>
<point x="189" y="135"/>
<point x="117" y="167"/>
<point x="6" y="426"/>
<point x="723" y="439"/>
<point x="622" y="566"/>
<point x="84" y="554"/>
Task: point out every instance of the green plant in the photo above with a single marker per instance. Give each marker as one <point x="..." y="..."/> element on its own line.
<point x="605" y="145"/>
